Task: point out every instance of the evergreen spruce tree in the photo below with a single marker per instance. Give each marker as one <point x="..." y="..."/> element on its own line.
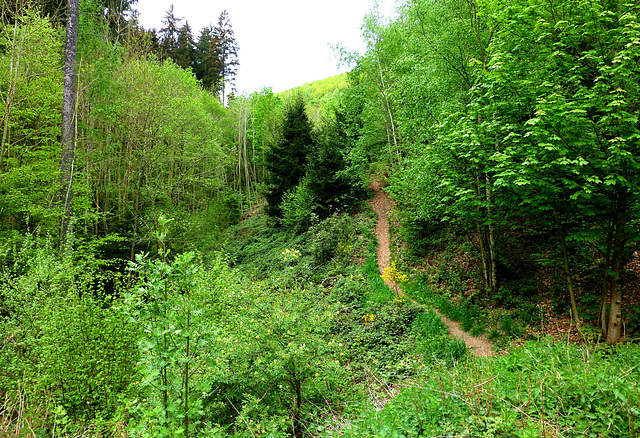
<point x="326" y="176"/>
<point x="286" y="161"/>
<point x="203" y="66"/>
<point x="185" y="49"/>
<point x="225" y="61"/>
<point x="169" y="35"/>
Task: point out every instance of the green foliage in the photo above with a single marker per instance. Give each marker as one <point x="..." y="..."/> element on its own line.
<point x="380" y="293"/>
<point x="472" y="317"/>
<point x="286" y="160"/>
<point x="30" y="96"/>
<point x="321" y="96"/>
<point x="335" y="188"/>
<point x="177" y="345"/>
<point x="279" y="345"/>
<point x="298" y="207"/>
<point x="434" y="342"/>
<point x="62" y="346"/>
<point x="496" y="115"/>
<point x="315" y="91"/>
<point x="327" y="186"/>
<point x="336" y="238"/>
<point x="540" y="388"/>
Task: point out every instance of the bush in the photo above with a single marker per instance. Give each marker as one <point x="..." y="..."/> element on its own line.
<point x="61" y="347"/>
<point x="298" y="208"/>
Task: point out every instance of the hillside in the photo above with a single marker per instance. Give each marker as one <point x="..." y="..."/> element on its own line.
<point x="443" y="242"/>
<point x="316" y="90"/>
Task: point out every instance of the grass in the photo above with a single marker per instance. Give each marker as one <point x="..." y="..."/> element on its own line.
<point x="379" y="292"/>
<point x="542" y="389"/>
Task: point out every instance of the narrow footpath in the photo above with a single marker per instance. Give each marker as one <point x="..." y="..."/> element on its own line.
<point x="479" y="346"/>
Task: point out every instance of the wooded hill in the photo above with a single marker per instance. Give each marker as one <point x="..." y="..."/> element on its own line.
<point x="181" y="261"/>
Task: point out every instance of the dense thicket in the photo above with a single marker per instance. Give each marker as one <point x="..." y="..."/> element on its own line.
<point x="500" y="115"/>
<point x="148" y="138"/>
<point x="509" y="126"/>
<point x="286" y="161"/>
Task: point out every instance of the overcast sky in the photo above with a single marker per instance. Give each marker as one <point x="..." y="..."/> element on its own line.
<point x="283" y="43"/>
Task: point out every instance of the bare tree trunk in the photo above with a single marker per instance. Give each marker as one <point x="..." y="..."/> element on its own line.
<point x="68" y="116"/>
<point x="247" y="167"/>
<point x="614" y="328"/>
<point x="483" y="256"/>
<point x="605" y="283"/>
<point x="486" y="274"/>
<point x="238" y="169"/>
<point x="296" y="383"/>
<point x="136" y="211"/>
<point x="492" y="240"/>
<point x="394" y="139"/>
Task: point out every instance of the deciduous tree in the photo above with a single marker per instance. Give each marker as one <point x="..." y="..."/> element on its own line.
<point x="67" y="162"/>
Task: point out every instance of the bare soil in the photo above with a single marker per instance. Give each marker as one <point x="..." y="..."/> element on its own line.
<point x="479" y="346"/>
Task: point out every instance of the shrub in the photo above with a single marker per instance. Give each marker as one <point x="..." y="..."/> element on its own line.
<point x="298" y="208"/>
<point x="62" y="348"/>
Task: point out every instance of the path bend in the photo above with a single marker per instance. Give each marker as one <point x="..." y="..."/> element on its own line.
<point x="479" y="346"/>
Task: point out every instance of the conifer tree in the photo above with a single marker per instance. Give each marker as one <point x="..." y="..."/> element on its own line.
<point x="206" y="59"/>
<point x="326" y="170"/>
<point x="225" y="62"/>
<point x="168" y="35"/>
<point x="286" y="160"/>
<point x="185" y="49"/>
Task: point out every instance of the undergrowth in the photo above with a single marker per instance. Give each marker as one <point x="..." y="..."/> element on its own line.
<point x="542" y="389"/>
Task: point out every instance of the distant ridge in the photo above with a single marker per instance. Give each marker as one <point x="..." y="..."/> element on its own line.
<point x="316" y="90"/>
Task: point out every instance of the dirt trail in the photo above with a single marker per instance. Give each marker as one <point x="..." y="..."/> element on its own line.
<point x="480" y="346"/>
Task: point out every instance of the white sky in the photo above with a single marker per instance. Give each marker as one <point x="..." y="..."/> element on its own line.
<point x="282" y="43"/>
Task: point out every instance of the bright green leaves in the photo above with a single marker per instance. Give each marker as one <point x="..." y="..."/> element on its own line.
<point x="62" y="346"/>
<point x="280" y="346"/>
<point x="512" y="110"/>
<point x="30" y="102"/>
<point x="178" y="344"/>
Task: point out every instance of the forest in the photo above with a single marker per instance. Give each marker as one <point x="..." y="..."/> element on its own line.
<point x="180" y="259"/>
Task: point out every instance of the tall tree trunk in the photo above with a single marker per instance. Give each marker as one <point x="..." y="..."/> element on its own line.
<point x="486" y="274"/>
<point x="297" y="409"/>
<point x="247" y="167"/>
<point x="393" y="141"/>
<point x="614" y="328"/>
<point x="136" y="210"/>
<point x="483" y="256"/>
<point x="68" y="116"/>
<point x="605" y="282"/>
<point x="492" y="239"/>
